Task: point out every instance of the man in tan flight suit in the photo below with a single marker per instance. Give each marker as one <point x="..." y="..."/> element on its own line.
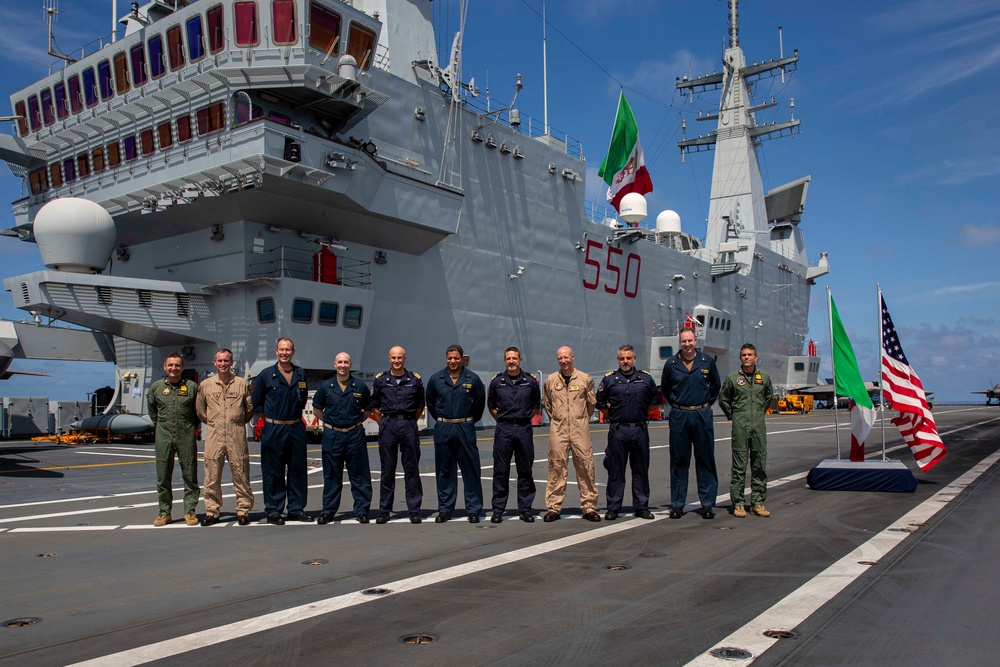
<point x="569" y="399"/>
<point x="225" y="407"/>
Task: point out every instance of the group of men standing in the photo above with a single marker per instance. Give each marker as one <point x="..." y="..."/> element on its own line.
<point x="456" y="398"/>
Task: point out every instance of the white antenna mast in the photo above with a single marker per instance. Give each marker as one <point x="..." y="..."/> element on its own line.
<point x="114" y="21"/>
<point x="51" y="8"/>
<point x="545" y="72"/>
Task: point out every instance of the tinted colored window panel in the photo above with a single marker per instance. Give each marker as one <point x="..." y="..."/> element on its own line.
<point x="104" y="80"/>
<point x="75" y="94"/>
<point x="175" y="48"/>
<point x="34" y="114"/>
<point x="21" y="111"/>
<point x="283" y="21"/>
<point x="114" y="154"/>
<point x="360" y="42"/>
<point x="352" y="316"/>
<point x="69" y="168"/>
<point x="56" y="174"/>
<point x="243" y="109"/>
<point x="246" y="24"/>
<point x="799" y="366"/>
<point x="89" y="87"/>
<point x="157" y="65"/>
<point x="83" y="165"/>
<point x="211" y="119"/>
<point x="121" y="73"/>
<point x="62" y="110"/>
<point x="48" y="117"/>
<point x="138" y="53"/>
<point x="146" y="144"/>
<point x="324" y="28"/>
<point x="666" y="351"/>
<point x="265" y="310"/>
<point x="131" y="148"/>
<point x="328" y="313"/>
<point x="216" y="29"/>
<point x="98" y="155"/>
<point x="184" y="129"/>
<point x="196" y="45"/>
<point x="39" y="180"/>
<point x="302" y="311"/>
<point x="165" y="137"/>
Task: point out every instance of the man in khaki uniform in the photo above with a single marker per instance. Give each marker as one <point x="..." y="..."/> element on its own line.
<point x="225" y="407"/>
<point x="569" y="398"/>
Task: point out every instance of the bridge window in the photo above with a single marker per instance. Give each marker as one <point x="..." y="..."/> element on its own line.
<point x="83" y="164"/>
<point x="98" y="155"/>
<point x="146" y="144"/>
<point x="729" y="323"/>
<point x="157" y="64"/>
<point x="104" y="80"/>
<point x="89" y="87"/>
<point x="175" y="48"/>
<point x="138" y="53"/>
<point x="352" y="316"/>
<point x="196" y="43"/>
<point x="701" y="319"/>
<point x="75" y="94"/>
<point x="302" y="311"/>
<point x="131" y="148"/>
<point x="60" y="100"/>
<point x="56" y="173"/>
<point x="69" y="168"/>
<point x="265" y="310"/>
<point x="121" y="73"/>
<point x="324" y="28"/>
<point x="39" y="181"/>
<point x="34" y="114"/>
<point x="216" y="29"/>
<point x="22" y="118"/>
<point x="711" y="322"/>
<point x="246" y="23"/>
<point x="184" y="129"/>
<point x="283" y="22"/>
<point x="360" y="42"/>
<point x="666" y="351"/>
<point x="114" y="154"/>
<point x="47" y="116"/>
<point x="328" y="311"/>
<point x="211" y="118"/>
<point x="799" y="366"/>
<point x="164" y="135"/>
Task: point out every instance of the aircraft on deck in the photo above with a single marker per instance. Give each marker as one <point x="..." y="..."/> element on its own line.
<point x="991" y="394"/>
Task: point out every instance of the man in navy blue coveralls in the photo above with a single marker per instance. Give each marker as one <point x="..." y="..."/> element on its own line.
<point x="397" y="404"/>
<point x="456" y="400"/>
<point x="691" y="384"/>
<point x="342" y="404"/>
<point x="280" y="393"/>
<point x="513" y="399"/>
<point x="624" y="397"/>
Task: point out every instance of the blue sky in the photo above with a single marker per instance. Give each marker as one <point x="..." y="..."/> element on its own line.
<point x="900" y="110"/>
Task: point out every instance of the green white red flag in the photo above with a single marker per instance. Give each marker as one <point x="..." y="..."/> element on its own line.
<point x="624" y="167"/>
<point x="848" y="383"/>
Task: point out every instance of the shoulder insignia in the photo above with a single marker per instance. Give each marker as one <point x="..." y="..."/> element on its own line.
<point x="416" y="375"/>
<point x="532" y="375"/>
<point x="609" y="373"/>
<point x="645" y="372"/>
<point x="495" y="377"/>
<point x="379" y="374"/>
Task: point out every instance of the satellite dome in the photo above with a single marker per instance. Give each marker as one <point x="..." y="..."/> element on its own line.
<point x="74" y="235"/>
<point x="632" y="208"/>
<point x="668" y="221"/>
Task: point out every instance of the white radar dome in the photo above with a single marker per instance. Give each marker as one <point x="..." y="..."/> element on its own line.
<point x="348" y="67"/>
<point x="74" y="235"/>
<point x="668" y="221"/>
<point x="632" y="208"/>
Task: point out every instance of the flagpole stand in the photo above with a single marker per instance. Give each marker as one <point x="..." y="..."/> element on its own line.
<point x="888" y="475"/>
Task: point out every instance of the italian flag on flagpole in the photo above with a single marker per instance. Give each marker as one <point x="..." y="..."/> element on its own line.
<point x="624" y="167"/>
<point x="848" y="383"/>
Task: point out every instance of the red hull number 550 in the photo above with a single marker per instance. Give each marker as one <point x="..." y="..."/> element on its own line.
<point x="615" y="276"/>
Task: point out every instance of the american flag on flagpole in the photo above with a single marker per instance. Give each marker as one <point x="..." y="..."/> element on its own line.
<point x="902" y="387"/>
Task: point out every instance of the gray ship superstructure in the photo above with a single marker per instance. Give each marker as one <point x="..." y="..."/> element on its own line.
<point x="306" y="168"/>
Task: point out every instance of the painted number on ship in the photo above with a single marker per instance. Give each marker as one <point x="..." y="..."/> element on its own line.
<point x="617" y="277"/>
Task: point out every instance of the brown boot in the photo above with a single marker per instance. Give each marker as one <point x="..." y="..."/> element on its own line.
<point x="759" y="510"/>
<point x="162" y="520"/>
<point x="191" y="519"/>
<point x="739" y="511"/>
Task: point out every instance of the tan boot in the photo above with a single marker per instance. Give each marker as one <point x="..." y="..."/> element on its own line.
<point x="739" y="511"/>
<point x="759" y="510"/>
<point x="191" y="519"/>
<point x="162" y="520"/>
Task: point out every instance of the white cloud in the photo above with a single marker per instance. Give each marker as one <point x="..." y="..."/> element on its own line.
<point x="976" y="236"/>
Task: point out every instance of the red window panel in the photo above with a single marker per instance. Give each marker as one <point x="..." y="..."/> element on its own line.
<point x="216" y="29"/>
<point x="283" y="21"/>
<point x="247" y="33"/>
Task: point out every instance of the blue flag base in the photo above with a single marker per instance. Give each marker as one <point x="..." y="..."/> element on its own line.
<point x="842" y="475"/>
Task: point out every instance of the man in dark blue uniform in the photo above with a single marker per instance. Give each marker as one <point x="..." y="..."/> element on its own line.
<point x="280" y="393"/>
<point x="691" y="384"/>
<point x="624" y="397"/>
<point x="513" y="399"/>
<point x="456" y="400"/>
<point x="342" y="404"/>
<point x="397" y="404"/>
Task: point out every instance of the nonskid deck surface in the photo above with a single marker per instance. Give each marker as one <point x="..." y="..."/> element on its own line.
<point x="79" y="554"/>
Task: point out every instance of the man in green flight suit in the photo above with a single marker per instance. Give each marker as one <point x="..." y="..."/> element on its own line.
<point x="745" y="397"/>
<point x="171" y="404"/>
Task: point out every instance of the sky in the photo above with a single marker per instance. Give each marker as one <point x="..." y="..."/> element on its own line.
<point x="900" y="108"/>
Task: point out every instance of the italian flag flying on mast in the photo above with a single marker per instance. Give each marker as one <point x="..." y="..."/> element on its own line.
<point x="624" y="168"/>
<point x="848" y="383"/>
